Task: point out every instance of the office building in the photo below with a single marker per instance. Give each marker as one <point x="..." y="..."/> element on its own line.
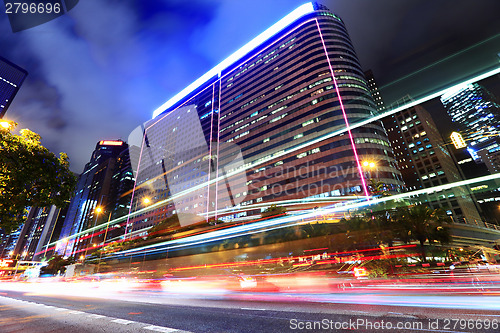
<point x="96" y="188"/>
<point x="425" y="161"/>
<point x="477" y="115"/>
<point x="11" y="78"/>
<point x="9" y="241"/>
<point x="273" y="123"/>
<point x="37" y="232"/>
<point x="373" y="86"/>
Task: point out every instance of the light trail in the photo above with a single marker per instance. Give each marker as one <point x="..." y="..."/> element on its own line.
<point x="292" y="220"/>
<point x="344" y="114"/>
<point x="253" y="164"/>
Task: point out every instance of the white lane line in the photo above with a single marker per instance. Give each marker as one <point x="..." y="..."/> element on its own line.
<point x="76" y="312"/>
<point x="123" y="321"/>
<point x="253" y="309"/>
<point x="160" y="329"/>
<point x="401" y="315"/>
<point x="96" y="316"/>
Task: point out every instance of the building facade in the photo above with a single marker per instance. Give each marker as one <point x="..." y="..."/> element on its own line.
<point x="425" y="162"/>
<point x="37" y="232"/>
<point x="273" y="123"/>
<point x="97" y="187"/>
<point x="373" y="86"/>
<point x="476" y="113"/>
<point x="11" y="78"/>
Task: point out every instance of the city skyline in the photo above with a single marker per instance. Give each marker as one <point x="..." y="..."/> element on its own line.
<point x="108" y="98"/>
<point x="254" y="162"/>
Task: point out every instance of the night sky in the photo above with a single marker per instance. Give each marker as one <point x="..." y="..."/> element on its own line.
<point x="100" y="71"/>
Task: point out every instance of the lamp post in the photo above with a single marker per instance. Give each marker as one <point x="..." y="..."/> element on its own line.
<point x="98" y="210"/>
<point x="146" y="201"/>
<point x="370" y="165"/>
<point x="104" y="242"/>
<point x="17" y="264"/>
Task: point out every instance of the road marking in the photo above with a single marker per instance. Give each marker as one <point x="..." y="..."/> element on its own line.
<point x="96" y="316"/>
<point x="122" y="321"/>
<point x="253" y="309"/>
<point x="160" y="329"/>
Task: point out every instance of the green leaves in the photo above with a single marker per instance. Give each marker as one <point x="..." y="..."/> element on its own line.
<point x="30" y="175"/>
<point x="273" y="210"/>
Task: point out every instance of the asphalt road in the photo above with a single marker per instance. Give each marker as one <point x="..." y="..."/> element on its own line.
<point x="240" y="312"/>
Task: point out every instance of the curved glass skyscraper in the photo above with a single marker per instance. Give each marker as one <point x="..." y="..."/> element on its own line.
<point x="276" y="122"/>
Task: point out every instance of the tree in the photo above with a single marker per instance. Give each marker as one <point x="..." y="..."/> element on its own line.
<point x="30" y="175"/>
<point x="422" y="223"/>
<point x="273" y="210"/>
<point x="57" y="264"/>
<point x="168" y="225"/>
<point x="378" y="187"/>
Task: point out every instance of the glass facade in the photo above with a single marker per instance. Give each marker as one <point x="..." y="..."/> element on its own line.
<point x="426" y="162"/>
<point x="97" y="187"/>
<point x="477" y="115"/>
<point x="262" y="131"/>
<point x="11" y="78"/>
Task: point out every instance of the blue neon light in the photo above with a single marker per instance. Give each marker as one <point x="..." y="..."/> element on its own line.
<point x="247" y="48"/>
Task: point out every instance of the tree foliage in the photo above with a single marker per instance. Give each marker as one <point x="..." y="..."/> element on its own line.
<point x="30" y="175"/>
<point x="423" y="223"/>
<point x="164" y="227"/>
<point x="57" y="264"/>
<point x="273" y="210"/>
<point x="406" y="224"/>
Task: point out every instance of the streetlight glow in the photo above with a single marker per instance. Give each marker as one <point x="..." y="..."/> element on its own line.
<point x="369" y="164"/>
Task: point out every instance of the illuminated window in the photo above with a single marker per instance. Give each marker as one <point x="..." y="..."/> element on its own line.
<point x="308" y="123"/>
<point x="301" y="155"/>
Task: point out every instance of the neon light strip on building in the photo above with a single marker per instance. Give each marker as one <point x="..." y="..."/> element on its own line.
<point x="344" y="114"/>
<point x="247" y="48"/>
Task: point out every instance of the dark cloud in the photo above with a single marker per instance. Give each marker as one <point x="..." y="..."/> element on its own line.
<point x="101" y="70"/>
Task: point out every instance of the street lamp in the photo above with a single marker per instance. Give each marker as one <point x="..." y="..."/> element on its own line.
<point x="369" y="164"/>
<point x="145" y="201"/>
<point x="104" y="242"/>
<point x="6" y="125"/>
<point x="98" y="210"/>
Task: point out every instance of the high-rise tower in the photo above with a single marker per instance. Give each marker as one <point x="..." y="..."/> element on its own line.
<point x="97" y="187"/>
<point x="477" y="115"/>
<point x="273" y="123"/>
<point x="11" y="78"/>
<point x="425" y="162"/>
